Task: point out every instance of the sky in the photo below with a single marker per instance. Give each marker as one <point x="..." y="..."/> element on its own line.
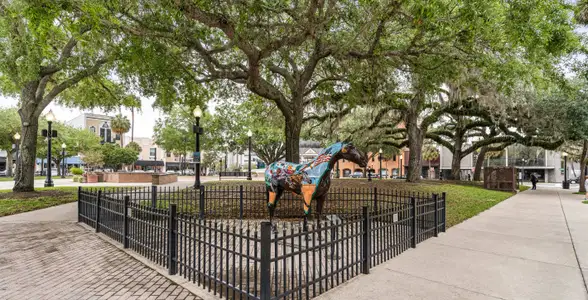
<point x="144" y="120"/>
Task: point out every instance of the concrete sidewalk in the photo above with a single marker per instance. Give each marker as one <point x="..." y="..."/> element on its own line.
<point x="531" y="246"/>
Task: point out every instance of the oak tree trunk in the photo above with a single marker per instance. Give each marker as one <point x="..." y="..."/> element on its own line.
<point x="583" y="161"/>
<point x="456" y="166"/>
<point x="480" y="163"/>
<point x="293" y="128"/>
<point x="416" y="139"/>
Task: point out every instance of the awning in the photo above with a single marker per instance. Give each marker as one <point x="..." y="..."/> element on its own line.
<point x="149" y="163"/>
<point x="187" y="165"/>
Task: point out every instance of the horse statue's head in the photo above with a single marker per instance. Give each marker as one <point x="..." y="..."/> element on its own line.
<point x="349" y="152"/>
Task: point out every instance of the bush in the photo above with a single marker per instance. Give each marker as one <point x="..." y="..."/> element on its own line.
<point x="76" y="171"/>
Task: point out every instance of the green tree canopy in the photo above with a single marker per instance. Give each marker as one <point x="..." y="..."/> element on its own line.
<point x="115" y="157"/>
<point x="57" y="50"/>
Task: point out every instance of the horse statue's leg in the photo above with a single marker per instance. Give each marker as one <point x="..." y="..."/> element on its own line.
<point x="274" y="195"/>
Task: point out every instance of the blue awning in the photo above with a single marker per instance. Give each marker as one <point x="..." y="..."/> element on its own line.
<point x="73" y="160"/>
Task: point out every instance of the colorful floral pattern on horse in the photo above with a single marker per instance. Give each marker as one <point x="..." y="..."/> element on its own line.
<point x="291" y="176"/>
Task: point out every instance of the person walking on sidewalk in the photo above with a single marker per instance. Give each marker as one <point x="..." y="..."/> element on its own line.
<point x="534" y="181"/>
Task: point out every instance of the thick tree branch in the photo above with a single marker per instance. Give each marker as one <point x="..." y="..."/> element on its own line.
<point x="69" y="83"/>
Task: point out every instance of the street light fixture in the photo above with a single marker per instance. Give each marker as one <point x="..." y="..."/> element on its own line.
<point x="249" y="135"/>
<point x="49" y="134"/>
<point x="16" y="145"/>
<point x="401" y="165"/>
<point x="380" y="151"/>
<point x="197" y="130"/>
<point x="523" y="171"/>
<point x="565" y="184"/>
<point x="226" y="154"/>
<point x="63" y="168"/>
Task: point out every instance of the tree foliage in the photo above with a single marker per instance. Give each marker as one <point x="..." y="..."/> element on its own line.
<point x="120" y="124"/>
<point x="115" y="156"/>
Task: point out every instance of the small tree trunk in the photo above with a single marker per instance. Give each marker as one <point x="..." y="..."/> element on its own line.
<point x="9" y="159"/>
<point x="480" y="164"/>
<point x="58" y="166"/>
<point x="132" y="124"/>
<point x="583" y="161"/>
<point x="293" y="129"/>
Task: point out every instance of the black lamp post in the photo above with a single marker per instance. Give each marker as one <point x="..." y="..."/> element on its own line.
<point x="401" y="166"/>
<point x="63" y="146"/>
<point x="16" y="145"/>
<point x="249" y="135"/>
<point x="380" y="151"/>
<point x="565" y="183"/>
<point x="49" y="134"/>
<point x="523" y="172"/>
<point x="226" y="155"/>
<point x="197" y="131"/>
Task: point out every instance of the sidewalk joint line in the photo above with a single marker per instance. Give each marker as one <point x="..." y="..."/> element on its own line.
<point x="573" y="246"/>
<point x="513" y="235"/>
<point x="447" y="284"/>
<point x="503" y="255"/>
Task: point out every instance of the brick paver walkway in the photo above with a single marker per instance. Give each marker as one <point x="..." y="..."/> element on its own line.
<point x="62" y="260"/>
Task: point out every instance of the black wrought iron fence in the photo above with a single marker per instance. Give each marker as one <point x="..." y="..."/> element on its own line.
<point x="179" y="231"/>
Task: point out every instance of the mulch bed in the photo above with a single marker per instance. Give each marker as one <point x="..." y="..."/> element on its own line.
<point x="36" y="194"/>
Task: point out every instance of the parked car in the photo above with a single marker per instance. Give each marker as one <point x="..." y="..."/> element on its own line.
<point x="575" y="180"/>
<point x="357" y="175"/>
<point x="3" y="173"/>
<point x="189" y="172"/>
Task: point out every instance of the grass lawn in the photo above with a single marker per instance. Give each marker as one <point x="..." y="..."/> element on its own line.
<point x="463" y="201"/>
<point x="36" y="178"/>
<point x="14" y="203"/>
<point x="585" y="201"/>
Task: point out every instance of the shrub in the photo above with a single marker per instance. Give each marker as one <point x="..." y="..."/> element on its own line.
<point x="76" y="171"/>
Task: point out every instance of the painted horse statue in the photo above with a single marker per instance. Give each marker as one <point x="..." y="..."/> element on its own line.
<point x="311" y="180"/>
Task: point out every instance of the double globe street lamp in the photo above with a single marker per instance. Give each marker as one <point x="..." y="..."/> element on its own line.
<point x="49" y="134"/>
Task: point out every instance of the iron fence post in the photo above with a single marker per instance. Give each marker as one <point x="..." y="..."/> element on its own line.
<point x="98" y="211"/>
<point x="241" y="202"/>
<point x="443" y="215"/>
<point x="154" y="196"/>
<point x="414" y="222"/>
<point x="172" y="241"/>
<point x="126" y="223"/>
<point x="79" y="204"/>
<point x="436" y="215"/>
<point x="365" y="241"/>
<point x="375" y="199"/>
<point x="201" y="202"/>
<point x="265" y="264"/>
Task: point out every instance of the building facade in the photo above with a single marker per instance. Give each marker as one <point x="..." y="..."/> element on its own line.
<point x="98" y="124"/>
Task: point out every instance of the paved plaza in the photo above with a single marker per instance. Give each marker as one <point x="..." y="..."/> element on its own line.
<point x="531" y="246"/>
<point x="46" y="255"/>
